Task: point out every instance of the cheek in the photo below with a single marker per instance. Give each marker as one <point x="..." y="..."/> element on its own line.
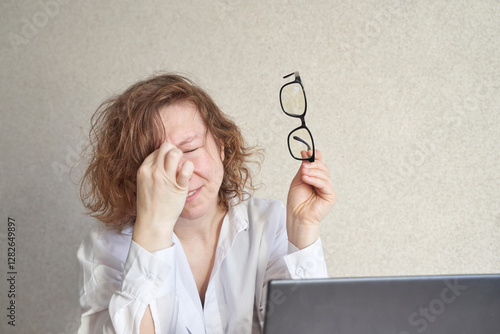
<point x="203" y="165"/>
<point x="220" y="170"/>
<point x="217" y="169"/>
<point x="213" y="169"/>
<point x="206" y="166"/>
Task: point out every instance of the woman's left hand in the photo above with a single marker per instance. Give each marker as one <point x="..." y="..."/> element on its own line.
<point x="310" y="198"/>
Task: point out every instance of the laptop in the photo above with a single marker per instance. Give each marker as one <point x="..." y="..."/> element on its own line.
<point x="460" y="304"/>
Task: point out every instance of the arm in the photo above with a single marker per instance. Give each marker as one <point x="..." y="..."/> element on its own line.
<point x="297" y="251"/>
<point x="147" y="324"/>
<point x="128" y="290"/>
<point x="162" y="187"/>
<point x="115" y="296"/>
<point x="285" y="261"/>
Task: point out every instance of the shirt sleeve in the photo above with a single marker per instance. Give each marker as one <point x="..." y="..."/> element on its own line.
<point x="308" y="262"/>
<point x="114" y="295"/>
<point x="288" y="262"/>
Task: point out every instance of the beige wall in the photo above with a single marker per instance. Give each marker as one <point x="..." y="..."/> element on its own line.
<point x="403" y="101"/>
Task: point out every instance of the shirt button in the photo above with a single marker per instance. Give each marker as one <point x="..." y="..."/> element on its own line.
<point x="299" y="272"/>
<point x="149" y="277"/>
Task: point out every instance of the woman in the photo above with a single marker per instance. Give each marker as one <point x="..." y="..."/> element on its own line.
<point x="186" y="248"/>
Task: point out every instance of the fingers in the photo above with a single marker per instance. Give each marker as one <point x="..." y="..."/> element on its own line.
<point x="317" y="175"/>
<point x="323" y="187"/>
<point x="167" y="159"/>
<point x="151" y="158"/>
<point x="320" y="181"/>
<point x="185" y="174"/>
<point x="307" y="154"/>
<point x="171" y="162"/>
<point x="317" y="164"/>
<point x="318" y="155"/>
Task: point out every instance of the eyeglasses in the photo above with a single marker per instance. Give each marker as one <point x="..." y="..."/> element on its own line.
<point x="293" y="103"/>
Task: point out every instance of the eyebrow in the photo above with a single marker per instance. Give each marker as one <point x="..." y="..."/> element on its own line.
<point x="187" y="140"/>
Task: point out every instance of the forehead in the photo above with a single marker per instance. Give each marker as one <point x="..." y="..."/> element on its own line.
<point x="182" y="120"/>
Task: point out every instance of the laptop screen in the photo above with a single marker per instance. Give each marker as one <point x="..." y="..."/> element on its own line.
<point x="390" y="305"/>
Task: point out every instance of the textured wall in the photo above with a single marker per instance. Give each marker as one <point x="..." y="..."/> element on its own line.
<point x="403" y="100"/>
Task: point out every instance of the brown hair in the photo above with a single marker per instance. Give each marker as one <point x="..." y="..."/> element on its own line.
<point x="126" y="128"/>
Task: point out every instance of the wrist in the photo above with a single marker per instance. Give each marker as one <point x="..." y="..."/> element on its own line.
<point x="152" y="238"/>
<point x="302" y="235"/>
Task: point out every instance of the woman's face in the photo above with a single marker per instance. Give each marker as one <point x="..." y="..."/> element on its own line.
<point x="185" y="129"/>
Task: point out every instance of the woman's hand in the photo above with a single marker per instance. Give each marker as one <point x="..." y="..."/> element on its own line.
<point x="310" y="198"/>
<point x="162" y="187"/>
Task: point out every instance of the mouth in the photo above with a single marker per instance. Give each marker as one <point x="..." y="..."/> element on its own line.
<point x="192" y="194"/>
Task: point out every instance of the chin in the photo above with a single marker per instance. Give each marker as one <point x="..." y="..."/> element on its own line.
<point x="192" y="213"/>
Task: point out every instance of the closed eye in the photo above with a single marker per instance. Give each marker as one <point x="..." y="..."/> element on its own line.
<point x="189" y="151"/>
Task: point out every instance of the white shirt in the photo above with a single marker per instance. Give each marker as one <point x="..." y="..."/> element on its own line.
<point x="120" y="278"/>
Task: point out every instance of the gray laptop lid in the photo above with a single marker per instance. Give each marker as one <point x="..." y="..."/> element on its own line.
<point x="464" y="304"/>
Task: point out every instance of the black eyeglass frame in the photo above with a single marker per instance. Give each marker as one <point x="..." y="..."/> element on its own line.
<point x="301" y="116"/>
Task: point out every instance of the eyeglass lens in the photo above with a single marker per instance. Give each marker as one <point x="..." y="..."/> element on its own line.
<point x="292" y="99"/>
<point x="300" y="140"/>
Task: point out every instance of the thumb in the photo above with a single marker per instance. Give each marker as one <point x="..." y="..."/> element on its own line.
<point x="185" y="174"/>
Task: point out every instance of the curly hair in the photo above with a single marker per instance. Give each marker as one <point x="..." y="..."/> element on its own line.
<point x="126" y="128"/>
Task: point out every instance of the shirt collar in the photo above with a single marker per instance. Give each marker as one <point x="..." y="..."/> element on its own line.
<point x="238" y="215"/>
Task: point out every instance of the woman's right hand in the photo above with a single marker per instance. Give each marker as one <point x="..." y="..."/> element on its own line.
<point x="162" y="187"/>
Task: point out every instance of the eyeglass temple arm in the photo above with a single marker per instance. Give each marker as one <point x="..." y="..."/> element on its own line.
<point x="297" y="76"/>
<point x="303" y="142"/>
